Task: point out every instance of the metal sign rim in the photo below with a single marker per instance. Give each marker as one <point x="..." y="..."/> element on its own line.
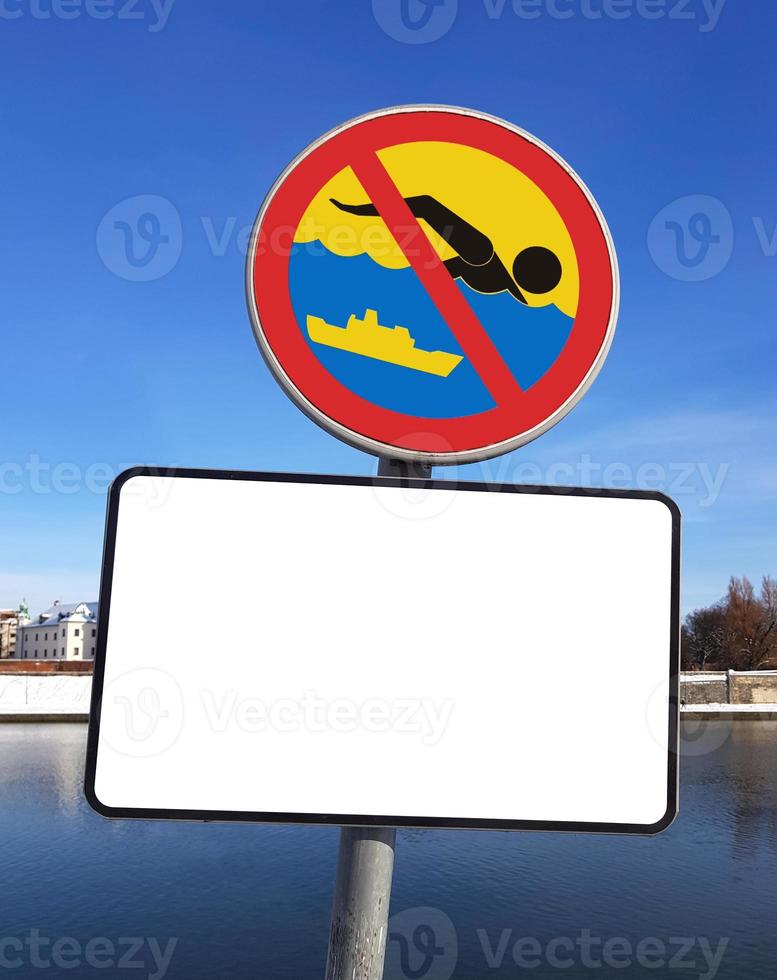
<point x="374" y="446"/>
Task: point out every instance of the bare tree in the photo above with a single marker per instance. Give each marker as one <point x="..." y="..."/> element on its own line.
<point x="704" y="637"/>
<point x="751" y="623"/>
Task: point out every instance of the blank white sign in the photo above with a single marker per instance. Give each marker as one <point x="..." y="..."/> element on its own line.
<point x="326" y="649"/>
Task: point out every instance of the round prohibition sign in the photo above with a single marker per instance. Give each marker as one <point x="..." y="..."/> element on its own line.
<point x="497" y="311"/>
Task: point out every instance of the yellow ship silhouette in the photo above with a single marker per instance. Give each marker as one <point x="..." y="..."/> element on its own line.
<point x="391" y="344"/>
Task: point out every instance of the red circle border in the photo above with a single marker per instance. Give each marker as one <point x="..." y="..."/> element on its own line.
<point x="474" y="434"/>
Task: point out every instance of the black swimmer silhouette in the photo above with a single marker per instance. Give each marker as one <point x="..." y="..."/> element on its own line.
<point x="535" y="269"/>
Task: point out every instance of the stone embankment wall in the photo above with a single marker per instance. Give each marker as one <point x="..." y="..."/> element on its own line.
<point x="56" y="695"/>
<point x="729" y="687"/>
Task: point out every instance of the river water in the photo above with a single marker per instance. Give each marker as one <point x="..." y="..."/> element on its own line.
<point x="82" y="896"/>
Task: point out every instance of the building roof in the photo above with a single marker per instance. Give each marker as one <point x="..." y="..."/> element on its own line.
<point x="83" y="612"/>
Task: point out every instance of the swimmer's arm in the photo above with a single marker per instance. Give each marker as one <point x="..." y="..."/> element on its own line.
<point x="473" y="246"/>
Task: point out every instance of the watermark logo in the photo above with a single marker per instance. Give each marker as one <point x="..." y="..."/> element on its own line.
<point x="692" y="238"/>
<point x="415" y="21"/>
<point x="703" y="736"/>
<point x="146" y="712"/>
<point x="422" y="945"/>
<point x="417" y="501"/>
<point x="140" y="239"/>
<point x="697" y="736"/>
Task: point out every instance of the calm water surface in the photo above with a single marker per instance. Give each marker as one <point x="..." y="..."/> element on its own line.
<point x="253" y="902"/>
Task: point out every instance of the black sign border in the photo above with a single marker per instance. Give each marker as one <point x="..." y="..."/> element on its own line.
<point x="362" y="820"/>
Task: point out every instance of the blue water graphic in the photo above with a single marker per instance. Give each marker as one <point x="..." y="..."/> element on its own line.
<point x="334" y="287"/>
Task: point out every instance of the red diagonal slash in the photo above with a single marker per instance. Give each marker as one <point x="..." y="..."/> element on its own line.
<point x="435" y="278"/>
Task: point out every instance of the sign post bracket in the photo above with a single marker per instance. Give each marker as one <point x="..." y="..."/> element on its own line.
<point x="404" y="470"/>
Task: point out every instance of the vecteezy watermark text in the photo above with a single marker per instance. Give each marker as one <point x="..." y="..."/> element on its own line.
<point x="150" y="713"/>
<point x="40" y="476"/>
<point x="423" y="944"/>
<point x="589" y="952"/>
<point x="687" y="479"/>
<point x="155" y="13"/>
<point x="425" y="21"/>
<point x="423" y="717"/>
<point x="141" y="238"/>
<point x="65" y="953"/>
<point x="706" y="12"/>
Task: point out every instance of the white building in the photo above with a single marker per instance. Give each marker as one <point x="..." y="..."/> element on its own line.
<point x="60" y="633"/>
<point x="10" y="620"/>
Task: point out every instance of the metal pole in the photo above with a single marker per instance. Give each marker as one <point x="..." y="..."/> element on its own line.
<point x="357" y="936"/>
<point x="365" y="865"/>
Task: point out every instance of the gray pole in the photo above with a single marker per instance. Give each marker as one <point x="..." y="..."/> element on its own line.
<point x="357" y="936"/>
<point x="365" y="865"/>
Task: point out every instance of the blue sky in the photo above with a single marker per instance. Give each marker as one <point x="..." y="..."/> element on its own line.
<point x="658" y="104"/>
